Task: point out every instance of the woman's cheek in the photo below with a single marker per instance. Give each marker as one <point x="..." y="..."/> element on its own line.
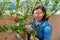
<point x="34" y="15"/>
<point x="41" y="16"/>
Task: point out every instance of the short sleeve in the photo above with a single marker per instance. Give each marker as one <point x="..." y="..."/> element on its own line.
<point x="47" y="33"/>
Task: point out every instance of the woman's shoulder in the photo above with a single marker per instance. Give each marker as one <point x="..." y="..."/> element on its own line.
<point x="47" y="30"/>
<point x="47" y="25"/>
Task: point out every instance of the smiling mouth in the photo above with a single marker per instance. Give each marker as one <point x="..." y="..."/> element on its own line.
<point x="37" y="17"/>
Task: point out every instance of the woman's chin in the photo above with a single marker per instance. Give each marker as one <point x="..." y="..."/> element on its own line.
<point x="37" y="19"/>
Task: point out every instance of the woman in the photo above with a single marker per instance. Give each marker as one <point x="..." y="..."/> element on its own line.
<point x="43" y="29"/>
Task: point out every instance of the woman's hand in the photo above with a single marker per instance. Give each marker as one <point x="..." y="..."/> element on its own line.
<point x="32" y="38"/>
<point x="28" y="27"/>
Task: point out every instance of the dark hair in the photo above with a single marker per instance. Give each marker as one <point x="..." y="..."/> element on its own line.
<point x="43" y="10"/>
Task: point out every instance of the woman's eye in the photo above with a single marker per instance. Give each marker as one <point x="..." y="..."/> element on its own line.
<point x="37" y="13"/>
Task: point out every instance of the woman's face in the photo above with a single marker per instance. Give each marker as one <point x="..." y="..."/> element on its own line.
<point x="38" y="14"/>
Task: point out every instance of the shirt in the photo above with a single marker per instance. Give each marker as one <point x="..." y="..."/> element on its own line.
<point x="44" y="31"/>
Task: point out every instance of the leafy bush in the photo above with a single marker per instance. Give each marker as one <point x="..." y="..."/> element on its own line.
<point x="25" y="8"/>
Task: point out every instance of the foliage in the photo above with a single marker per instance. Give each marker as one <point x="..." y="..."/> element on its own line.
<point x="25" y="9"/>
